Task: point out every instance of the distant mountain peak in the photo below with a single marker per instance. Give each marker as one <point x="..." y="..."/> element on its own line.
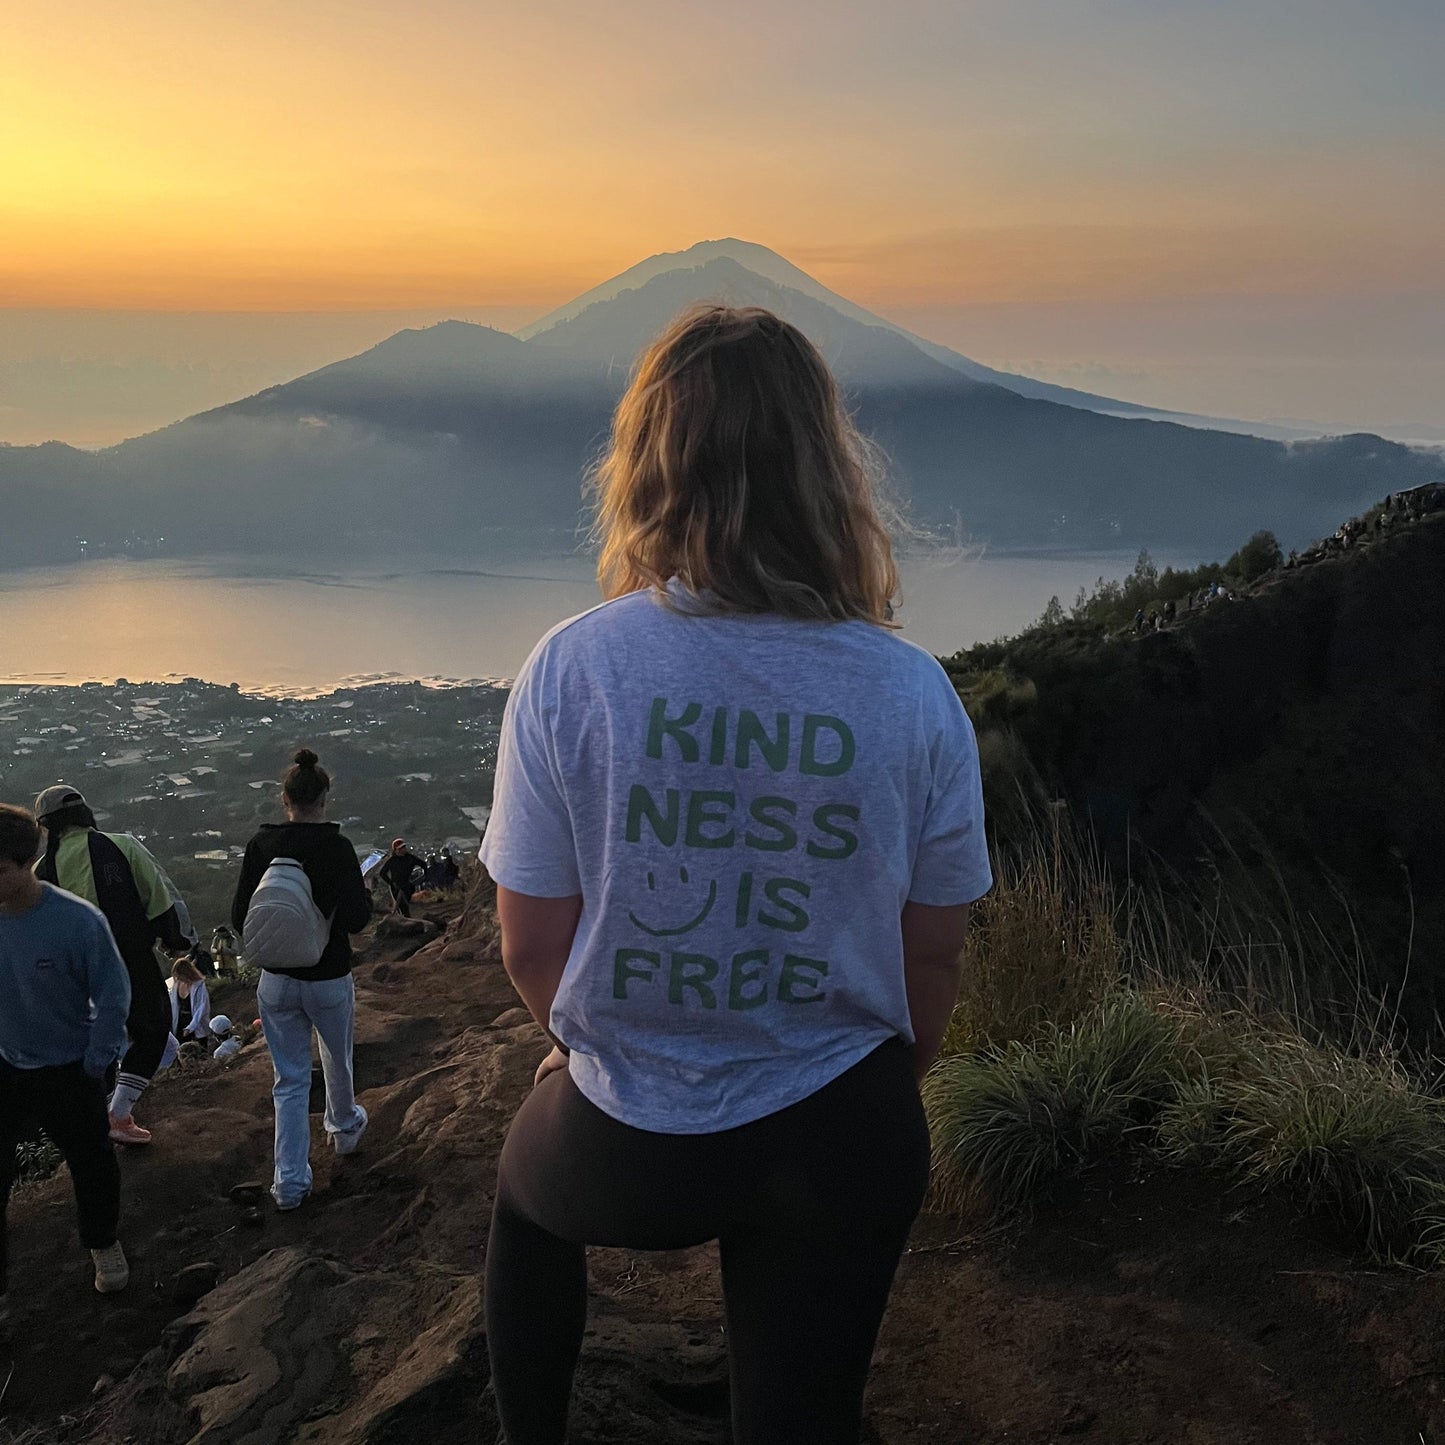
<point x="451" y="332"/>
<point x="767" y="264"/>
<point x="444" y="345"/>
<point x="750" y="255"/>
<point x="620" y="320"/>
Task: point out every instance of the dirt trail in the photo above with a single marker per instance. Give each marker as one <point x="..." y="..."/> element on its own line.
<point x="1161" y="1310"/>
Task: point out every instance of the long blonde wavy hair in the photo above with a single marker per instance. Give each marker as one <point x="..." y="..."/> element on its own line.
<point x="734" y="467"/>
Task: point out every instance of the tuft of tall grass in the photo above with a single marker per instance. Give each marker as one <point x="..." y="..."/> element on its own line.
<point x="1043" y="947"/>
<point x="1085" y="1027"/>
<point x="27" y="1434"/>
<point x="1011" y="1119"/>
<point x="1238" y="929"/>
<point x="1357" y="1141"/>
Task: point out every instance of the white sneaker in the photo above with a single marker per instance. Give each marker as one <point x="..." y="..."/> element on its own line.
<point x="345" y="1143"/>
<point x="112" y="1273"/>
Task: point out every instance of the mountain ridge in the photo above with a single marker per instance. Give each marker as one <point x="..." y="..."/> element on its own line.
<point x="444" y="433"/>
<point x="768" y="263"/>
<point x="861" y="352"/>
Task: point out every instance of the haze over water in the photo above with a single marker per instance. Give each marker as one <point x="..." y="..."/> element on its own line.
<point x="281" y="629"/>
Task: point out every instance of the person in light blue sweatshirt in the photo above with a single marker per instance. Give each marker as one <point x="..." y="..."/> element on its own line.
<point x="64" y="996"/>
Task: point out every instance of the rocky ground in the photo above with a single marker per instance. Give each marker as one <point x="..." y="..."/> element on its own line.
<point x="1161" y="1310"/>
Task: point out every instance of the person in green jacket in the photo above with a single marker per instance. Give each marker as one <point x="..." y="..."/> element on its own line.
<point x="116" y="873"/>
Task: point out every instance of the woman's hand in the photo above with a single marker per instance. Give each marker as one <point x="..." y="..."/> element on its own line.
<point x="554" y="1061"/>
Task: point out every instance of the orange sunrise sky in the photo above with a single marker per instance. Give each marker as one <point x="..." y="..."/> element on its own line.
<point x="1146" y="189"/>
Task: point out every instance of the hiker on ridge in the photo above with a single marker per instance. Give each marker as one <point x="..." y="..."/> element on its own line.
<point x="190" y="1003"/>
<point x="299" y="895"/>
<point x="399" y="872"/>
<point x="66" y="995"/>
<point x="116" y="873"/>
<point x="223" y="952"/>
<point x="737" y="827"/>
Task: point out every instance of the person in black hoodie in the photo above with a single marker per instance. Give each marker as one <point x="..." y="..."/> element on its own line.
<point x="296" y="1001"/>
<point x="399" y="872"/>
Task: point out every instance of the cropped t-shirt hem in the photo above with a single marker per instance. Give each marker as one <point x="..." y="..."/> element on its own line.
<point x="532" y="881"/>
<point x="585" y="1076"/>
<point x="955" y="894"/>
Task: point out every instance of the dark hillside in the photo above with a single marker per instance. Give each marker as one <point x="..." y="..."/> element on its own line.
<point x="50" y="496"/>
<point x="1303" y="720"/>
<point x="1026" y="471"/>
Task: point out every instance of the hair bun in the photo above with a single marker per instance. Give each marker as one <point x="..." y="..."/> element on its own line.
<point x="305" y="758"/>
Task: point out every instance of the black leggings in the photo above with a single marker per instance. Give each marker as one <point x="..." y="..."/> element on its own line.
<point x="811" y="1208"/>
<point x="70" y="1106"/>
<point x="148" y="1024"/>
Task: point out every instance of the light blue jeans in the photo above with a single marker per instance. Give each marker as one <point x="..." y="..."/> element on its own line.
<point x="290" y="1009"/>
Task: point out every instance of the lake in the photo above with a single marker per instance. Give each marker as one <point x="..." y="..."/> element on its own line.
<point x="277" y="627"/>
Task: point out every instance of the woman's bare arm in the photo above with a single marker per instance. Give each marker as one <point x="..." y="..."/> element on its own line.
<point x="932" y="967"/>
<point x="536" y="940"/>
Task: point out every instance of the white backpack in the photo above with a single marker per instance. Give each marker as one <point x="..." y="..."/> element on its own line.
<point x="284" y="928"/>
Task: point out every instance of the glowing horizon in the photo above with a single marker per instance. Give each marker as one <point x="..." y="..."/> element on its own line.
<point x="931" y="161"/>
<point x="302" y="157"/>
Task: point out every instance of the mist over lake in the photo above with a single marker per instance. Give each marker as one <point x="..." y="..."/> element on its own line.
<point x="276" y="627"/>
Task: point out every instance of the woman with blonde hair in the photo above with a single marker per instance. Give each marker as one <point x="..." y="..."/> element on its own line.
<point x="190" y="1003"/>
<point x="737" y="827"/>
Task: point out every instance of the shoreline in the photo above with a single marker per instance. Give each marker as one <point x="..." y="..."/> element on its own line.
<point x="33" y="682"/>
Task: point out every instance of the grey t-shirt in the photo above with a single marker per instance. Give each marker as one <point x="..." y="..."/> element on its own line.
<point x="744" y="804"/>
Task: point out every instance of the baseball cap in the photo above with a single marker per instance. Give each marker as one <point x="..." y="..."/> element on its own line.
<point x="56" y="797"/>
